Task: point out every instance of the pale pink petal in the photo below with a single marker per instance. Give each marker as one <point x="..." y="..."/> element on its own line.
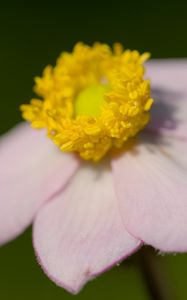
<point x="32" y="169"/>
<point x="151" y="185"/>
<point x="80" y="234"/>
<point x="169" y="89"/>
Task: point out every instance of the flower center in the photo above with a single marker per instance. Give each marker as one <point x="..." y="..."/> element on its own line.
<point x="90" y="100"/>
<point x="81" y="110"/>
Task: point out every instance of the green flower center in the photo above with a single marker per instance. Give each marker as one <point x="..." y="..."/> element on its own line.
<point x="90" y="100"/>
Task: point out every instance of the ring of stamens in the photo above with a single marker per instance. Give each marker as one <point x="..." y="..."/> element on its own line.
<point x="94" y="99"/>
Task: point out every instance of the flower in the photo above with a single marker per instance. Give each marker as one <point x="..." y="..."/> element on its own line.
<point x="88" y="214"/>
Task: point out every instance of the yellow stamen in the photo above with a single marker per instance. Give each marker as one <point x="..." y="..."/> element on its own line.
<point x="94" y="99"/>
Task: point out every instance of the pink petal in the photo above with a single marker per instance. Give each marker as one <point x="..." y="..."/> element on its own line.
<point x="169" y="89"/>
<point x="32" y="169"/>
<point x="151" y="184"/>
<point x="80" y="234"/>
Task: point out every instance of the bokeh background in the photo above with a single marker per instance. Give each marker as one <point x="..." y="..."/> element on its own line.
<point x="32" y="35"/>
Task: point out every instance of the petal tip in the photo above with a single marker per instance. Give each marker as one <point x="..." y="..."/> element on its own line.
<point x="70" y="288"/>
<point x="88" y="275"/>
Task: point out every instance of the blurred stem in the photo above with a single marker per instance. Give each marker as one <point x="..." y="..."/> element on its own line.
<point x="154" y="275"/>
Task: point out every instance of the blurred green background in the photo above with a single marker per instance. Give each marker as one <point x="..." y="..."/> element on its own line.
<point x="32" y="35"/>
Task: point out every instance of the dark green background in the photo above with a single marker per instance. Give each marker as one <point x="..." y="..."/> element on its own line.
<point x="32" y="34"/>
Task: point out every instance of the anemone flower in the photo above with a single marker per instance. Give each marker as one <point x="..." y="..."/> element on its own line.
<point x="107" y="178"/>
